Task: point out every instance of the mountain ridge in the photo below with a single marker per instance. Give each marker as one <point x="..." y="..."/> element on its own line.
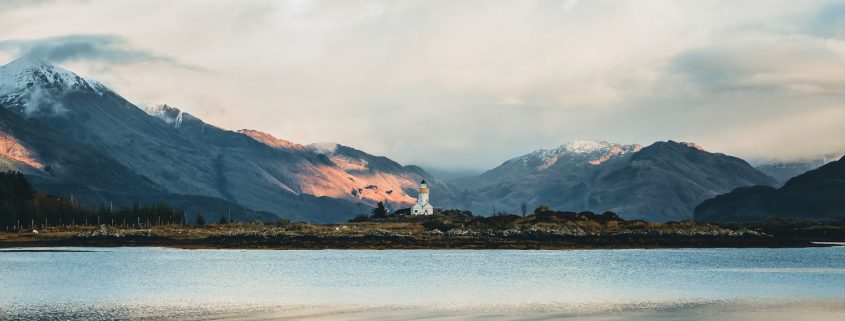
<point x="159" y="152"/>
<point x="816" y="194"/>
<point x="170" y="152"/>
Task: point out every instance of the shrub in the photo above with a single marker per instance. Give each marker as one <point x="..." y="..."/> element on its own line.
<point x="282" y="222"/>
<point x="360" y="218"/>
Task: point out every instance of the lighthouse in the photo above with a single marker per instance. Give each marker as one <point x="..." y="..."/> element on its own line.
<point x="423" y="207"/>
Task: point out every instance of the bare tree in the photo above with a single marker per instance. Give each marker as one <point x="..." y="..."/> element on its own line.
<point x="524" y="208"/>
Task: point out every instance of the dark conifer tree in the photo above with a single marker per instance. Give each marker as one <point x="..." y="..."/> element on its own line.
<point x="200" y="220"/>
<point x="380" y="211"/>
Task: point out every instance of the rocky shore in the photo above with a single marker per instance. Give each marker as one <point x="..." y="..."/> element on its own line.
<point x="389" y="236"/>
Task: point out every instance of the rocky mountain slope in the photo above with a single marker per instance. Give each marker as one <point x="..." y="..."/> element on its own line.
<point x="73" y="135"/>
<point x="380" y="178"/>
<point x="660" y="182"/>
<point x="818" y="194"/>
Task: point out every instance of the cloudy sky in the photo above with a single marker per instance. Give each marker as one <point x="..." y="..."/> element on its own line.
<point x="467" y="84"/>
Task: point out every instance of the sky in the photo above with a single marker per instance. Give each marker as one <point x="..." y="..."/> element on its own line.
<point x="457" y="85"/>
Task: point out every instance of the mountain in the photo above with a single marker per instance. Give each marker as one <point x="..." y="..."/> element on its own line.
<point x="784" y="170"/>
<point x="818" y="194"/>
<point x="540" y="177"/>
<point x="379" y="178"/>
<point x="660" y="182"/>
<point x="73" y="135"/>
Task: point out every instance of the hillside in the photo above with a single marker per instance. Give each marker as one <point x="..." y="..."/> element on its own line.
<point x="73" y="135"/>
<point x="817" y="195"/>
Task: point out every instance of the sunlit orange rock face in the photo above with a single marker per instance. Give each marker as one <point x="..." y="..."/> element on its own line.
<point x="614" y="151"/>
<point x="12" y="149"/>
<point x="270" y="140"/>
<point x="345" y="177"/>
<point x="693" y="145"/>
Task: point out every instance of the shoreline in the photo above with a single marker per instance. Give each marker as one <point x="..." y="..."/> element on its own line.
<point x="744" y="309"/>
<point x="415" y="233"/>
<point x="391" y="242"/>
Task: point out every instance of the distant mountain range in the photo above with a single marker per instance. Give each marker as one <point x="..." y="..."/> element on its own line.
<point x="817" y="194"/>
<point x="72" y="135"/>
<point x="661" y="182"/>
<point x="784" y="170"/>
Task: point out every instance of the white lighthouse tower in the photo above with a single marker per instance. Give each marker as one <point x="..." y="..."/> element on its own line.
<point x="423" y="207"/>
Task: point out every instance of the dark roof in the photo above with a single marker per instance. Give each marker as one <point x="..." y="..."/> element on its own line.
<point x="423" y="182"/>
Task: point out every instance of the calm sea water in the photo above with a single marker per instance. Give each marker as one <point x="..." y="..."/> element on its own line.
<point x="106" y="277"/>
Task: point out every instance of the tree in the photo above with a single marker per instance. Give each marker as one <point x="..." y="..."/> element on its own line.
<point x="542" y="209"/>
<point x="21" y="205"/>
<point x="524" y="208"/>
<point x="380" y="211"/>
<point x="200" y="220"/>
<point x="222" y="220"/>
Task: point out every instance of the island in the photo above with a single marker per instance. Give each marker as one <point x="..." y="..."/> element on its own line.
<point x="452" y="229"/>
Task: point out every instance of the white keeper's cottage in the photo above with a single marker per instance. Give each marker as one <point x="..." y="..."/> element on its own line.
<point x="423" y="207"/>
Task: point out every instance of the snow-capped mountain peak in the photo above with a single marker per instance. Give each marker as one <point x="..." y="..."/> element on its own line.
<point x="576" y="147"/>
<point x="27" y="72"/>
<point x="585" y="146"/>
<point x="581" y="150"/>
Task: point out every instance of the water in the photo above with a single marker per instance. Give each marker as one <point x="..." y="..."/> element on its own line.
<point x="580" y="280"/>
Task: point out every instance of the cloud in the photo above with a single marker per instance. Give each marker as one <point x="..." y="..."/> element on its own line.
<point x="9" y="5"/>
<point x="107" y="49"/>
<point x="795" y="63"/>
<point x="466" y="84"/>
<point x="42" y="101"/>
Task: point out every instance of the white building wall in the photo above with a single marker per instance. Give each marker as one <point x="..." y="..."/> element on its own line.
<point x="427" y="209"/>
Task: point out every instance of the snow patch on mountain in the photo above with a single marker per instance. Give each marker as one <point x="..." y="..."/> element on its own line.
<point x="580" y="146"/>
<point x="615" y="151"/>
<point x="593" y="151"/>
<point x="693" y="145"/>
<point x="327" y="149"/>
<point x="168" y="114"/>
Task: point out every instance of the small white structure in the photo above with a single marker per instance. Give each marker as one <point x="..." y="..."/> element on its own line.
<point x="423" y="207"/>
